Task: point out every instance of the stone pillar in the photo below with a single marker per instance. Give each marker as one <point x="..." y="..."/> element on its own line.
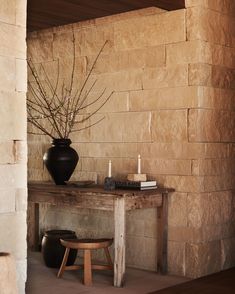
<point x="13" y="147"/>
<point x="7" y="274"/>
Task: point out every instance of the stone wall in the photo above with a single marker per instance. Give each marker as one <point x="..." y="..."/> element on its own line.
<point x="13" y="168"/>
<point x="173" y="76"/>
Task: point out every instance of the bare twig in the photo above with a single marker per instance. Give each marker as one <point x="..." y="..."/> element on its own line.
<point x="54" y="109"/>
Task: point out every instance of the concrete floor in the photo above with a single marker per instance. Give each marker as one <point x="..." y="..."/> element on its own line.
<point x="43" y="280"/>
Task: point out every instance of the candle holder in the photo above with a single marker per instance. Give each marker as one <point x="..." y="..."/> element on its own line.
<point x="109" y="183"/>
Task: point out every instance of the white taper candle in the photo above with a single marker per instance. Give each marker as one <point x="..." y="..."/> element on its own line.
<point x="110" y="169"/>
<point x="139" y="164"/>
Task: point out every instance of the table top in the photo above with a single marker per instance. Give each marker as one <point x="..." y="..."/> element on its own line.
<point x="94" y="196"/>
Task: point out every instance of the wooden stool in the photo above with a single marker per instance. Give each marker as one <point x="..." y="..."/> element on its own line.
<point x="87" y="245"/>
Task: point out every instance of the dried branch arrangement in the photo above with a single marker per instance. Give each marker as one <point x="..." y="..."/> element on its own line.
<point x="58" y="111"/>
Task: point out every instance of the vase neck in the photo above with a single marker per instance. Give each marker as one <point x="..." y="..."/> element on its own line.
<point x="61" y="142"/>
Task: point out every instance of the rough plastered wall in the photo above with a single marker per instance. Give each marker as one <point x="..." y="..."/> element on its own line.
<point x="174" y="95"/>
<point x="13" y="167"/>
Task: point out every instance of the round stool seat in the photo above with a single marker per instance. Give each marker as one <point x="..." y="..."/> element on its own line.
<point x="86" y="243"/>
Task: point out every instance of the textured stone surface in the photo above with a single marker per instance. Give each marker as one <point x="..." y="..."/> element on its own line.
<point x="7" y="152"/>
<point x="10" y="35"/>
<point x="7" y="73"/>
<point x="165" y="77"/>
<point x="151" y="30"/>
<point x="209" y="25"/>
<point x="218" y="126"/>
<point x="176" y="257"/>
<point x="16" y="105"/>
<point x="7" y="200"/>
<point x="169" y="125"/>
<point x="225" y="6"/>
<point x="202" y="259"/>
<point x="13" y="148"/>
<point x="209" y="208"/>
<point x="164" y="98"/>
<point x="173" y="104"/>
<point x="7" y="11"/>
<point x="228" y="255"/>
<point x="13" y="238"/>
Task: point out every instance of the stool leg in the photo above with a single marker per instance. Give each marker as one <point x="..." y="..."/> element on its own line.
<point x="106" y="250"/>
<point x="87" y="268"/>
<point x="63" y="264"/>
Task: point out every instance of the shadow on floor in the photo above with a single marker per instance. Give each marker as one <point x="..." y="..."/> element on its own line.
<point x="219" y="283"/>
<point x="43" y="280"/>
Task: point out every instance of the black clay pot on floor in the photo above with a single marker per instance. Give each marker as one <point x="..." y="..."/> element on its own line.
<point x="61" y="160"/>
<point x="53" y="251"/>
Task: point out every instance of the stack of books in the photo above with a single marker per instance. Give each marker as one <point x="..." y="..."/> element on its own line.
<point x="140" y="185"/>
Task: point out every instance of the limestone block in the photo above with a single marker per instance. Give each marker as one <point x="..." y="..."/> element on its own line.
<point x="200" y="74"/>
<point x="40" y="46"/>
<point x="178" y="209"/>
<point x="221" y="55"/>
<point x="135" y="225"/>
<point x="21" y="199"/>
<point x="21" y="11"/>
<point x="89" y="40"/>
<point x="20" y="175"/>
<point x="165" y="77"/>
<point x="118" y="102"/>
<point x="141" y="253"/>
<point x="150" y="30"/>
<point x="209" y="25"/>
<point x="169" y="125"/>
<point x="164" y="98"/>
<point x="166" y="166"/>
<point x="184" y="234"/>
<point x="215" y="98"/>
<point x="129" y="59"/>
<point x="222" y="77"/>
<point x="13" y="126"/>
<point x="211" y="166"/>
<point x="21" y="273"/>
<point x="63" y="44"/>
<point x="202" y="259"/>
<point x="184" y="150"/>
<point x="6" y="152"/>
<point x="193" y="51"/>
<point x="119" y="81"/>
<point x="13" y="234"/>
<point x="207" y="208"/>
<point x="218" y="183"/>
<point x="226" y="6"/>
<point x="184" y="184"/>
<point x="228" y="255"/>
<point x="7" y="74"/>
<point x="7" y="179"/>
<point x="13" y="41"/>
<point x="20" y="151"/>
<point x="7" y="200"/>
<point x="107" y="150"/>
<point x="7" y="273"/>
<point x="176" y="258"/>
<point x="21" y="75"/>
<point x="112" y="128"/>
<point x="217" y="125"/>
<point x="7" y="11"/>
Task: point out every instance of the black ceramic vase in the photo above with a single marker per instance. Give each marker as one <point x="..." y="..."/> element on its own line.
<point x="53" y="251"/>
<point x="61" y="160"/>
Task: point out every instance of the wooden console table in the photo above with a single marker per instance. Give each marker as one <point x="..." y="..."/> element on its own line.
<point x="95" y="197"/>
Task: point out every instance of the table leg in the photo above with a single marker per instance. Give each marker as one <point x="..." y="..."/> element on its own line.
<point x="33" y="226"/>
<point x="119" y="242"/>
<point x="162" y="232"/>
